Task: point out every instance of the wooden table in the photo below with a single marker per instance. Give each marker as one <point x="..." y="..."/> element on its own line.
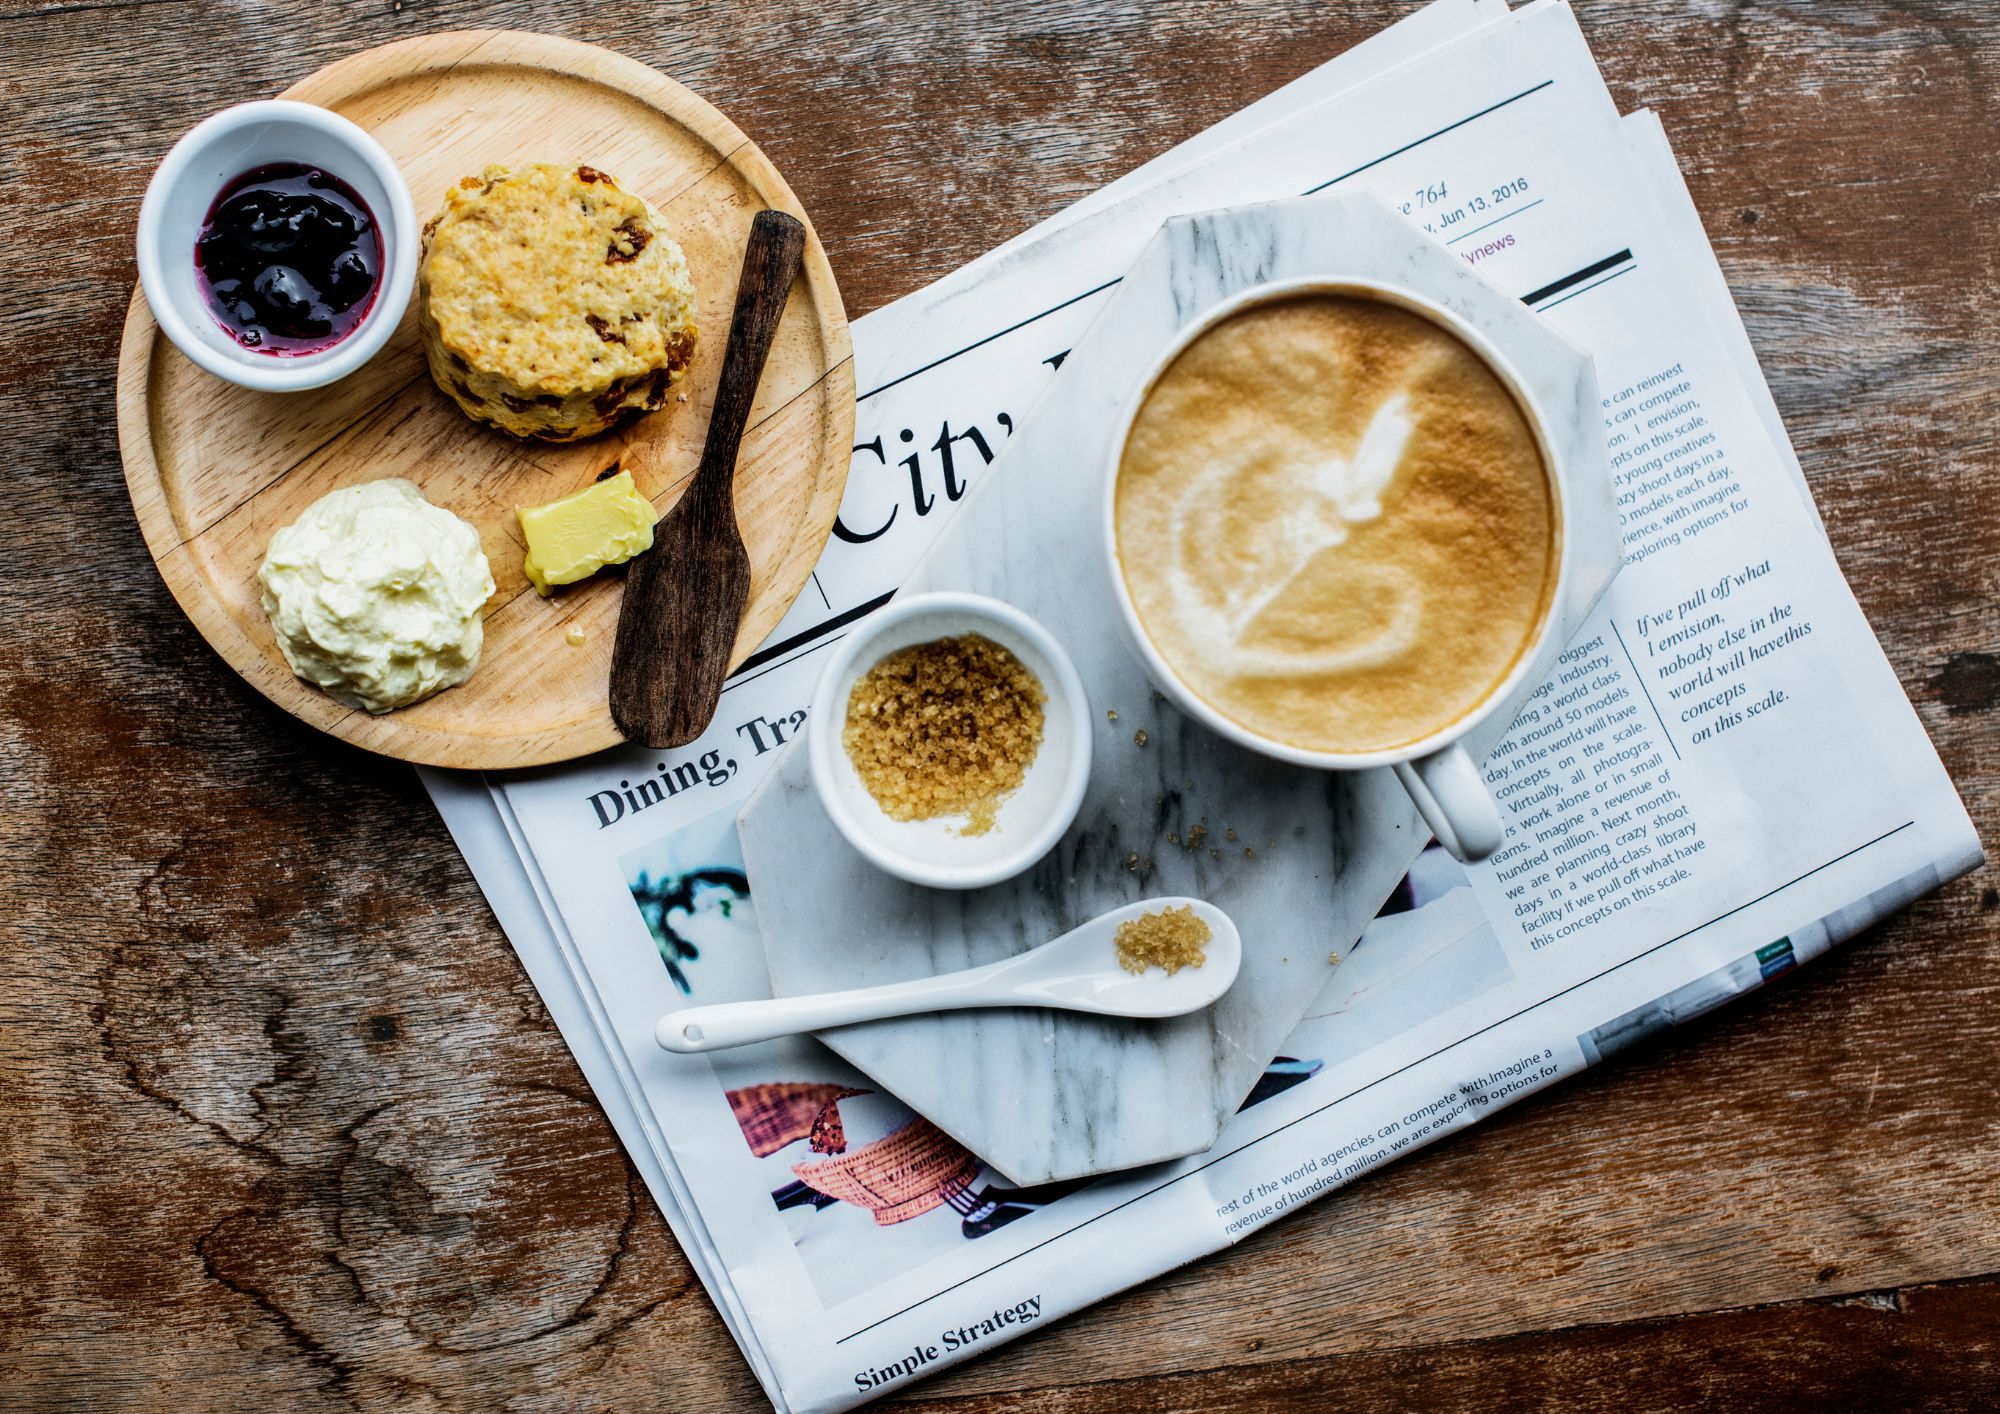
<point x="286" y="1125"/>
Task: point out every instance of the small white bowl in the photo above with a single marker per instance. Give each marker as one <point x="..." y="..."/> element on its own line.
<point x="223" y="147"/>
<point x="1030" y="821"/>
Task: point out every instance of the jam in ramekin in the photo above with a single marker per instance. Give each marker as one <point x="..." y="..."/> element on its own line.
<point x="289" y="259"/>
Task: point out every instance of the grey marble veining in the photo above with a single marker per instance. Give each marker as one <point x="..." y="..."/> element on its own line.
<point x="1050" y="1095"/>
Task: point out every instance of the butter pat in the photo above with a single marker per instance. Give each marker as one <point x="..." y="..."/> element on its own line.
<point x="571" y="539"/>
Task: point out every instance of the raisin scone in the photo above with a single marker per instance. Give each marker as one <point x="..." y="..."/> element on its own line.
<point x="552" y="302"/>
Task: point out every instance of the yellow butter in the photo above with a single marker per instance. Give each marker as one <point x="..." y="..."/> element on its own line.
<point x="571" y="539"/>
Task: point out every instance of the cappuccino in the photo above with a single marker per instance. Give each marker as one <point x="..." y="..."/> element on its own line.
<point x="1335" y="524"/>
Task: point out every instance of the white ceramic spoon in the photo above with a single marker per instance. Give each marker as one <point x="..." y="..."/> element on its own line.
<point x="1077" y="972"/>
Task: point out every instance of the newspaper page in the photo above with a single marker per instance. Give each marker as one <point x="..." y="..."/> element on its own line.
<point x="485" y="831"/>
<point x="1674" y="840"/>
<point x="489" y="837"/>
<point x="510" y="878"/>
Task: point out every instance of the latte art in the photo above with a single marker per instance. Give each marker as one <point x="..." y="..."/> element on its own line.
<point x="1335" y="524"/>
<point x="1330" y="493"/>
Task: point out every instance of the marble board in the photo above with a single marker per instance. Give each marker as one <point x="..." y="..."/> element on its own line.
<point x="1300" y="859"/>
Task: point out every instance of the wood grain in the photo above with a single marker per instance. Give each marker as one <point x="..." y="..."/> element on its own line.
<point x="286" y="1126"/>
<point x="1931" y="1347"/>
<point x="214" y="469"/>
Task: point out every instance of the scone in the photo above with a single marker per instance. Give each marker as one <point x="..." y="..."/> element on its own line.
<point x="552" y="303"/>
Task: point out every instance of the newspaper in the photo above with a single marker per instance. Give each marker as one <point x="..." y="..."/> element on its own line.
<point x="1721" y="779"/>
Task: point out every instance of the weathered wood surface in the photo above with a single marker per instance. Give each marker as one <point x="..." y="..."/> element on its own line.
<point x="286" y="1127"/>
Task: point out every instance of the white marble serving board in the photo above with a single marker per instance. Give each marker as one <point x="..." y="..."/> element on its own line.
<point x="1046" y="1095"/>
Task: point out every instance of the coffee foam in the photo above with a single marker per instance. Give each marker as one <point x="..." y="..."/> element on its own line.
<point x="1335" y="523"/>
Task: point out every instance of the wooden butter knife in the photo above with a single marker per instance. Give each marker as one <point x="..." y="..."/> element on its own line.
<point x="684" y="598"/>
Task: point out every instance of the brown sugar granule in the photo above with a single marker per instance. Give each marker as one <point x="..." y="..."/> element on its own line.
<point x="1111" y="714"/>
<point x="1171" y="939"/>
<point x="947" y="727"/>
<point x="1139" y="738"/>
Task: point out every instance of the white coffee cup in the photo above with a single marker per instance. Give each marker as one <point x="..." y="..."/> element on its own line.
<point x="1437" y="771"/>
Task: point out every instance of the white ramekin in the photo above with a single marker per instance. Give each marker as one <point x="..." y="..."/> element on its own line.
<point x="1031" y="820"/>
<point x="184" y="189"/>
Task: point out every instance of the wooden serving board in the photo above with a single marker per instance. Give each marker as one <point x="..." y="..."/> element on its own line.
<point x="214" y="470"/>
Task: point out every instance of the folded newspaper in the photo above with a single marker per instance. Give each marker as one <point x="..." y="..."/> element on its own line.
<point x="1721" y="780"/>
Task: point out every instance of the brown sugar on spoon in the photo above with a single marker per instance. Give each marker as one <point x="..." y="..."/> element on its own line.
<point x="945" y="728"/>
<point x="1169" y="939"/>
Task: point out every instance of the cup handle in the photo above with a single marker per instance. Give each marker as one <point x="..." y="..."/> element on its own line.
<point x="1454" y="801"/>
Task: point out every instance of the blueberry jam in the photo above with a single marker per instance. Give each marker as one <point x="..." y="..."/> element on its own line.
<point x="289" y="259"/>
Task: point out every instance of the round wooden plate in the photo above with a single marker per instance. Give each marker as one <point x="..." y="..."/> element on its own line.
<point x="215" y="469"/>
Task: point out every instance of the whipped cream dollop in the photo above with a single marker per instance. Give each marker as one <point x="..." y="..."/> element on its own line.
<point x="375" y="595"/>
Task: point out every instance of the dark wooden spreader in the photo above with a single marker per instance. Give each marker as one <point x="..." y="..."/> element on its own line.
<point x="684" y="598"/>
